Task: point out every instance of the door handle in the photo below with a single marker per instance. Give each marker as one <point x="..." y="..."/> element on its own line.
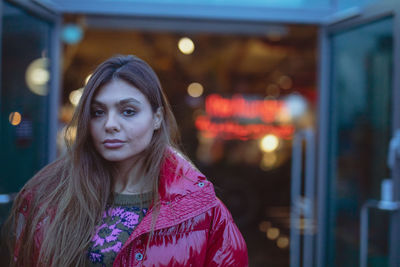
<point x="394" y="149"/>
<point x="302" y="206"/>
<point x="386" y="203"/>
<point x="390" y="206"/>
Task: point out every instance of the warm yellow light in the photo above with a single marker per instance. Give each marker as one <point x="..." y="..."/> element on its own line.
<point x="269" y="143"/>
<point x="87" y="78"/>
<point x="70" y="133"/>
<point x="195" y="89"/>
<point x="75" y="96"/>
<point x="284" y="115"/>
<point x="273" y="233"/>
<point x="264" y="226"/>
<point x="282" y="242"/>
<point x="37" y="76"/>
<point x="186" y="45"/>
<point x="15" y="118"/>
<point x="268" y="160"/>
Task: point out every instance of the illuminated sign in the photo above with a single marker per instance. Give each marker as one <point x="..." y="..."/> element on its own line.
<point x="243" y="118"/>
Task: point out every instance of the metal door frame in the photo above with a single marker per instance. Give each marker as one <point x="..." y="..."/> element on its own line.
<point x="375" y="12"/>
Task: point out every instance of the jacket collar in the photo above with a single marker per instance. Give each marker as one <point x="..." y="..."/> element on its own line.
<point x="184" y="193"/>
<point x="179" y="177"/>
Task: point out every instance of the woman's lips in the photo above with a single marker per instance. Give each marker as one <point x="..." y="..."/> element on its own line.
<point x="113" y="143"/>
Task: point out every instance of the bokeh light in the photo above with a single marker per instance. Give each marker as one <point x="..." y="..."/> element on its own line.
<point x="15" y="118"/>
<point x="186" y="45"/>
<point x="273" y="233"/>
<point x="37" y="76"/>
<point x="264" y="226"/>
<point x="296" y="105"/>
<point x="75" y="96"/>
<point x="285" y="82"/>
<point x="269" y="143"/>
<point x="282" y="242"/>
<point x="268" y="160"/>
<point x="72" y="33"/>
<point x="195" y="89"/>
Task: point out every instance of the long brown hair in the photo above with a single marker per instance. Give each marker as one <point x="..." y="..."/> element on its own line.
<point x="70" y="194"/>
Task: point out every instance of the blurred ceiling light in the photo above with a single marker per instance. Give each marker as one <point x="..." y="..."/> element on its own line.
<point x="15" y="118"/>
<point x="282" y="242"/>
<point x="75" y="96"/>
<point x="195" y="89"/>
<point x="37" y="76"/>
<point x="285" y="82"/>
<point x="72" y="33"/>
<point x="273" y="90"/>
<point x="87" y="78"/>
<point x="273" y="233"/>
<point x="186" y="45"/>
<point x="269" y="143"/>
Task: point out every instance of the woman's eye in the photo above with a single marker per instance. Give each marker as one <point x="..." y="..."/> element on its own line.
<point x="97" y="113"/>
<point x="129" y="112"/>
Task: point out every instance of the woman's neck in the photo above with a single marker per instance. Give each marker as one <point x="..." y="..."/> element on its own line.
<point x="130" y="178"/>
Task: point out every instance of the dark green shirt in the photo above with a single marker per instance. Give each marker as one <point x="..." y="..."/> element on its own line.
<point x="119" y="221"/>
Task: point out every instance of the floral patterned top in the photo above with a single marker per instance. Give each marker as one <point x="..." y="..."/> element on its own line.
<point x="119" y="221"/>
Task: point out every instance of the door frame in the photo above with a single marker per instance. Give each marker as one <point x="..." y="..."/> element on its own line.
<point x="374" y="12"/>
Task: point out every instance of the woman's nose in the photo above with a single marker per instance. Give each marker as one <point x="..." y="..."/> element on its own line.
<point x="111" y="124"/>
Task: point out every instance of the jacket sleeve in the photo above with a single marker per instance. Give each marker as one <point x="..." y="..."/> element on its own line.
<point x="226" y="246"/>
<point x="23" y="211"/>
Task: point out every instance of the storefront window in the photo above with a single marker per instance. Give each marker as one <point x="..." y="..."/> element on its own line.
<point x="24" y="97"/>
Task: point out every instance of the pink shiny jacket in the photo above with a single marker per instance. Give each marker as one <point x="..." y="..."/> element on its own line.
<point x="193" y="227"/>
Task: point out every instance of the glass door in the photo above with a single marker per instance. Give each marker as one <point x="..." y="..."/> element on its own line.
<point x="357" y="122"/>
<point x="28" y="95"/>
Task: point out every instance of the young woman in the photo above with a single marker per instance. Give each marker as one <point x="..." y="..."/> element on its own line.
<point x="123" y="195"/>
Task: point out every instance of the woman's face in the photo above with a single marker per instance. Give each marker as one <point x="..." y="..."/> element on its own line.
<point x="122" y="122"/>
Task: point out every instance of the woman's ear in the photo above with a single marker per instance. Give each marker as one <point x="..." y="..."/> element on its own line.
<point x="158" y="118"/>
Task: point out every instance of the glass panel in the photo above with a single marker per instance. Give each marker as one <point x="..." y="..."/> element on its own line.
<point x="360" y="132"/>
<point x="24" y="97"/>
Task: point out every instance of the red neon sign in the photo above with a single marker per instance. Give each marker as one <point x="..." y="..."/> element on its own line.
<point x="223" y="114"/>
<point x="239" y="107"/>
<point x="233" y="130"/>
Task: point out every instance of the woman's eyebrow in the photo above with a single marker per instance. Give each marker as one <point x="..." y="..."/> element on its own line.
<point x="129" y="100"/>
<point x="97" y="103"/>
<point x="120" y="103"/>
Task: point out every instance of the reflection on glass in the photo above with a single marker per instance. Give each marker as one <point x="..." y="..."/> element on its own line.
<point x="360" y="132"/>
